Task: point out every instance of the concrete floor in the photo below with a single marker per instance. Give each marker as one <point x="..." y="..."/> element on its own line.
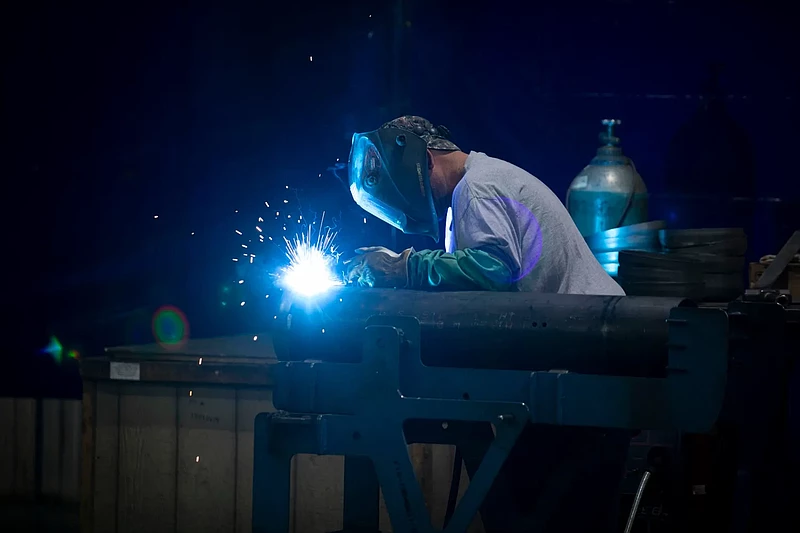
<point x="39" y="518"/>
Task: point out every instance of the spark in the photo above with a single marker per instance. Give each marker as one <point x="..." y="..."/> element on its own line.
<point x="311" y="263"/>
<point x="238" y="232"/>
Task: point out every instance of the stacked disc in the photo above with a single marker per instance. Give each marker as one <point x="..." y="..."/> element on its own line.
<point x="607" y="245"/>
<point x="719" y="253"/>
<point x="660" y="274"/>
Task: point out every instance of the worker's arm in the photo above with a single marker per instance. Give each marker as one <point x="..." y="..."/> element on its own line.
<point x="489" y="255"/>
<point x="462" y="270"/>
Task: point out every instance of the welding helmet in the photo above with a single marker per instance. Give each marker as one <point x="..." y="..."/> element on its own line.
<point x="389" y="174"/>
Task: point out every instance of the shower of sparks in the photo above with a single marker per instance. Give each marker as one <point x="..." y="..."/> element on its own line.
<point x="306" y="264"/>
<point x="311" y="269"/>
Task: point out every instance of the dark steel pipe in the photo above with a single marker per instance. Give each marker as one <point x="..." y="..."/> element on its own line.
<point x="513" y="331"/>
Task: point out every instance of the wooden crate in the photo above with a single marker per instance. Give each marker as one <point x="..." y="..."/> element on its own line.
<point x="168" y="438"/>
<point x="40" y="445"/>
<point x="790" y="279"/>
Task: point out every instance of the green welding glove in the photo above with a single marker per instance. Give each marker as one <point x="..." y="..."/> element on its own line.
<point x="379" y="267"/>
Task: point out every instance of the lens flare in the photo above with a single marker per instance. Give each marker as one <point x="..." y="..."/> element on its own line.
<point x="170" y="327"/>
<point x="56" y="350"/>
<point x="311" y="269"/>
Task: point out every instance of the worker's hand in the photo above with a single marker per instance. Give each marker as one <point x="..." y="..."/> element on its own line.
<point x="378" y="267"/>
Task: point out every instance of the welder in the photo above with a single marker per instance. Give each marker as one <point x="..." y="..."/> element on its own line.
<point x="508" y="232"/>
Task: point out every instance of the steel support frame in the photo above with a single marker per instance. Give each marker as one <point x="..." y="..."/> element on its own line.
<point x="372" y="438"/>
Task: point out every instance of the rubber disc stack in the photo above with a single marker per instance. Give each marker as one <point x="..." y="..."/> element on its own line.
<point x="660" y="274"/>
<point x="719" y="253"/>
<point x="607" y="245"/>
<point x="702" y="264"/>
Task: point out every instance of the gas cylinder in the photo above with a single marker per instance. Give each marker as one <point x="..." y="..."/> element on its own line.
<point x="608" y="192"/>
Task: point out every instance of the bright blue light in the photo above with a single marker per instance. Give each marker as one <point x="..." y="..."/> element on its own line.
<point x="311" y="269"/>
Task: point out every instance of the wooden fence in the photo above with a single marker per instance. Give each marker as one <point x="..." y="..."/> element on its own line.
<point x="40" y="449"/>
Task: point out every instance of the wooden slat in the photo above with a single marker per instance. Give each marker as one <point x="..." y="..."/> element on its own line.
<point x="71" y="418"/>
<point x="147" y="459"/>
<point x="318" y="493"/>
<point x="438" y="482"/>
<point x="206" y="460"/>
<point x="7" y="445"/>
<point x="249" y="403"/>
<point x="25" y="454"/>
<point x="51" y="447"/>
<point x="106" y="459"/>
<point x="87" y="457"/>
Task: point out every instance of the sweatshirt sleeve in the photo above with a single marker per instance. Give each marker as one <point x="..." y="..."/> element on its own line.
<point x="462" y="270"/>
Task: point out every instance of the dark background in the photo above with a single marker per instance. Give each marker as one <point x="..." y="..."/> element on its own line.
<point x="114" y="115"/>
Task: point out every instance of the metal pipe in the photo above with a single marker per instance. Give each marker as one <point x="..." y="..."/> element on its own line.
<point x="637" y="500"/>
<point x="513" y="331"/>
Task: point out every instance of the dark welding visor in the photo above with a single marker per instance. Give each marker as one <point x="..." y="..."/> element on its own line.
<point x="389" y="178"/>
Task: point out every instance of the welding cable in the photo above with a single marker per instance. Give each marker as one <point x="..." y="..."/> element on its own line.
<point x="455" y="480"/>
<point x="637" y="500"/>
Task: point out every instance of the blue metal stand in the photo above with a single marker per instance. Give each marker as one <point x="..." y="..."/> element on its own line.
<point x="366" y="410"/>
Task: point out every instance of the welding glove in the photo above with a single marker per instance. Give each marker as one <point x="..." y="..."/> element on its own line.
<point x="379" y="267"/>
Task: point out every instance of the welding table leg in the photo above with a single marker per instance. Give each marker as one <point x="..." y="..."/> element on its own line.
<point x="361" y="496"/>
<point x="272" y="467"/>
<point x="496" y="513"/>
